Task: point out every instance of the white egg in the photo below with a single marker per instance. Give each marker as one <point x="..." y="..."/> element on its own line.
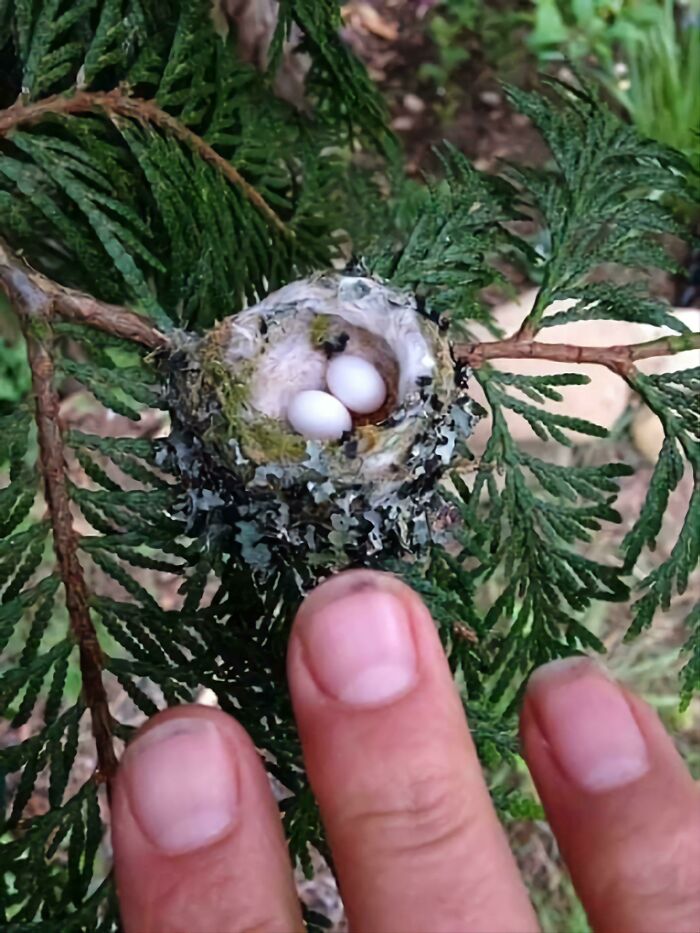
<point x="356" y="383"/>
<point x="318" y="415"/>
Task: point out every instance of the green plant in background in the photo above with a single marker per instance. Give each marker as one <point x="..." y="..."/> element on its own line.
<point x="660" y="89"/>
<point x="152" y="187"/>
<point x="575" y="30"/>
<point x="447" y="26"/>
<point x="457" y="28"/>
<point x="646" y="52"/>
<point x="14" y="372"/>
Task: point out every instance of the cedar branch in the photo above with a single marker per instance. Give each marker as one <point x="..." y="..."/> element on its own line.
<point x="66" y="544"/>
<point x="28" y="289"/>
<point x="619" y="358"/>
<point x="116" y="103"/>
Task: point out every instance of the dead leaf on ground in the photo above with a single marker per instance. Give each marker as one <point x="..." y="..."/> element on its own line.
<point x="364" y="16"/>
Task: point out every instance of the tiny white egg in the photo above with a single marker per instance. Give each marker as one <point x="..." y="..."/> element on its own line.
<point x="318" y="415"/>
<point x="356" y="382"/>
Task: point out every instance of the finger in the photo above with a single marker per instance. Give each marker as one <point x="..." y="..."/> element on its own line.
<point x="416" y="842"/>
<point x="624" y="808"/>
<point x="198" y="844"/>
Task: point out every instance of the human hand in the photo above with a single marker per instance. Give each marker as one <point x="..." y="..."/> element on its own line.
<point x="417" y="845"/>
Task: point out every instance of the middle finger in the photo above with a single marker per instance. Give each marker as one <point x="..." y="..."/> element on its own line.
<point x="415" y="839"/>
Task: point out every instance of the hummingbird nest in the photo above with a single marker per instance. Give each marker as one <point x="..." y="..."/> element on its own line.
<point x="273" y="495"/>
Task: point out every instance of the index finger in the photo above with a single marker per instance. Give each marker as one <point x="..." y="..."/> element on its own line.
<point x="415" y="839"/>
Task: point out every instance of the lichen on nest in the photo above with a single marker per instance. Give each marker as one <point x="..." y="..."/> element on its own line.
<point x="278" y="497"/>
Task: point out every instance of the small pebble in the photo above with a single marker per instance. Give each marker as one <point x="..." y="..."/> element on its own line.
<point x="490" y="98"/>
<point x="357" y="383"/>
<point x="402" y="124"/>
<point x="413" y="103"/>
<point x="318" y="416"/>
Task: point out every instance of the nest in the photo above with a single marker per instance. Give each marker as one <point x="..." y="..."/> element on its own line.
<point x="278" y="497"/>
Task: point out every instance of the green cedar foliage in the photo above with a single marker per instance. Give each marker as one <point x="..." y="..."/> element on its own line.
<point x="131" y="212"/>
<point x="123" y="212"/>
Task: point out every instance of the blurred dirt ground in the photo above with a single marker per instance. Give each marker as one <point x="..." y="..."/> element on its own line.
<point x="391" y="37"/>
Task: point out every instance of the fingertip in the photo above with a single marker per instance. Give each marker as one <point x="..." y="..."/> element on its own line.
<point x="189" y="754"/>
<point x="197" y="836"/>
<point x="588" y="724"/>
<point x="392" y="764"/>
<point x="576" y="716"/>
<point x="622" y="805"/>
<point x="360" y="585"/>
<point x="342" y="584"/>
<point x="363" y="638"/>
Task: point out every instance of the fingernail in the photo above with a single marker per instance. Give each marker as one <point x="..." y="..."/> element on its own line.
<point x="181" y="784"/>
<point x="588" y="725"/>
<point x="359" y="646"/>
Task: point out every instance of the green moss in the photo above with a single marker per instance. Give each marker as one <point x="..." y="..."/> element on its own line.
<point x="266" y="440"/>
<point x="262" y="439"/>
<point x="232" y="389"/>
<point x="320" y="330"/>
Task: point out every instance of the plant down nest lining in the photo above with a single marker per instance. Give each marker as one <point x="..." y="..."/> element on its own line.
<point x="276" y="495"/>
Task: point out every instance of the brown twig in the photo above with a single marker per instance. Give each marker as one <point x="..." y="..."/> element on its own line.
<point x="28" y="289"/>
<point x="117" y="103"/>
<point x="620" y="358"/>
<point x="66" y="543"/>
<point x="37" y="299"/>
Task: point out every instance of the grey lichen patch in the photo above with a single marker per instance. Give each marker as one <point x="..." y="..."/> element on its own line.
<point x="281" y="499"/>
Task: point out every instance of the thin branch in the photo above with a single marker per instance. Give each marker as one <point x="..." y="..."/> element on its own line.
<point x="28" y="290"/>
<point x="66" y="544"/>
<point x="116" y="103"/>
<point x="533" y="321"/>
<point x="620" y="358"/>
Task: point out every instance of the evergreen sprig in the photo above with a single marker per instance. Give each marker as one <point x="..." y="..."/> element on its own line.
<point x="449" y="231"/>
<point x="675" y="399"/>
<point x="532" y="528"/>
<point x="131" y="204"/>
<point x="600" y="206"/>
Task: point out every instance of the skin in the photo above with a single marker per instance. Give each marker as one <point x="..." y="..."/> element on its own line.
<point x="415" y="840"/>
